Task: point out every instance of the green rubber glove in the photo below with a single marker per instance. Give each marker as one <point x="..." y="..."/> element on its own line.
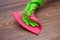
<point x="30" y="8"/>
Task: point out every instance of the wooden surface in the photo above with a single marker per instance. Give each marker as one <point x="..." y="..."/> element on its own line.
<point x="48" y="15"/>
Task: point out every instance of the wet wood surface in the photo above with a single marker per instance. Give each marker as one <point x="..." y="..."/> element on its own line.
<point x="48" y="15"/>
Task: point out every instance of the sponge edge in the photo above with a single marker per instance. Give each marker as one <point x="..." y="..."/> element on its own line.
<point x="18" y="17"/>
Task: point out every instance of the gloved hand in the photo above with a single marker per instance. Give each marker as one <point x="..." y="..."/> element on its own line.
<point x="30" y="8"/>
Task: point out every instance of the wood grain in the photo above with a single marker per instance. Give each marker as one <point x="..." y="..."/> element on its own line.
<point x="48" y="15"/>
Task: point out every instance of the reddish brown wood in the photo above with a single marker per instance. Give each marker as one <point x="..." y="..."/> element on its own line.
<point x="48" y="15"/>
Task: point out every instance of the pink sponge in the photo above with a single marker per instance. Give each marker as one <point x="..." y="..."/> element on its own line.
<point x="18" y="17"/>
